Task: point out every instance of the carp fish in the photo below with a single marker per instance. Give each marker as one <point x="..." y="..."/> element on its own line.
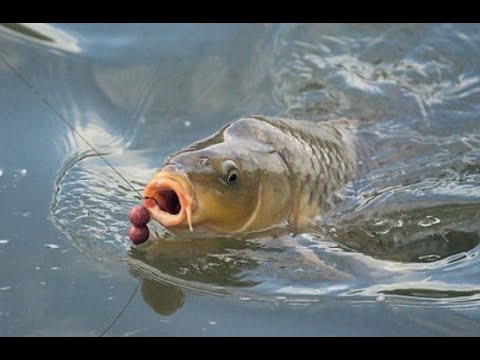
<point x="254" y="174"/>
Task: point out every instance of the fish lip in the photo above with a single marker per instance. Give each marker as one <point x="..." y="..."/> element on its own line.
<point x="175" y="181"/>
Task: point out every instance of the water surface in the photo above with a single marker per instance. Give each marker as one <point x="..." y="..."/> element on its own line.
<point x="397" y="256"/>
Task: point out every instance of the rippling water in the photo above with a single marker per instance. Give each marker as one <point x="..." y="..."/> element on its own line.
<point x="407" y="229"/>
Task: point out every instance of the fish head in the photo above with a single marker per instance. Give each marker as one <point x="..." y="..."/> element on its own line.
<point x="225" y="188"/>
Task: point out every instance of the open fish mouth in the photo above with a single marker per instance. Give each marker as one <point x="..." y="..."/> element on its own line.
<point x="168" y="199"/>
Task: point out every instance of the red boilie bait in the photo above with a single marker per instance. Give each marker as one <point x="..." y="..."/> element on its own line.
<point x="138" y="231"/>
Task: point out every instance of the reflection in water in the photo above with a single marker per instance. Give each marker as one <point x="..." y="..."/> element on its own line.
<point x="216" y="261"/>
<point x="410" y="217"/>
<point x="198" y="261"/>
<point x="217" y="266"/>
<point x="162" y="298"/>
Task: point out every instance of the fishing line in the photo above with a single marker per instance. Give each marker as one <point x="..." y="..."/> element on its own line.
<point x="121" y="311"/>
<point x="47" y="103"/>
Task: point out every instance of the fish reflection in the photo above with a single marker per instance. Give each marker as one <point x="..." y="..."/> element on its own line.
<point x="215" y="262"/>
<point x="162" y="298"/>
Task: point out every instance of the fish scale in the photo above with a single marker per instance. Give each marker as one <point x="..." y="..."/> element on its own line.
<point x="330" y="156"/>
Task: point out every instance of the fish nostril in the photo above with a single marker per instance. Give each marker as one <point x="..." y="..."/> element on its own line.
<point x="205" y="162"/>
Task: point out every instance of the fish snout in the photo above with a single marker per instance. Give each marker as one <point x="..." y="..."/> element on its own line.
<point x="169" y="197"/>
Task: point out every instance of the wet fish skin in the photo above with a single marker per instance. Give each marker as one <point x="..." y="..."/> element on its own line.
<point x="287" y="170"/>
<point x="320" y="158"/>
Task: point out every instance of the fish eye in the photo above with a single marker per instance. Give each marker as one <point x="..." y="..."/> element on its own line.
<point x="232" y="176"/>
<point x="230" y="171"/>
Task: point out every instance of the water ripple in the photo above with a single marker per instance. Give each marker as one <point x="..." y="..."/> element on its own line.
<point x="407" y="231"/>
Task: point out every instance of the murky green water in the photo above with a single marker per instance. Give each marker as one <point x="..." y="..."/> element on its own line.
<point x="397" y="257"/>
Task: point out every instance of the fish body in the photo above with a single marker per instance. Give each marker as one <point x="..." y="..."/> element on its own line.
<point x="254" y="174"/>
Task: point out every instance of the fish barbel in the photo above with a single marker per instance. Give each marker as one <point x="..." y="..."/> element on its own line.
<point x="254" y="174"/>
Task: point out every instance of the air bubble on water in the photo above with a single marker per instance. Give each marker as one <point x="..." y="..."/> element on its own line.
<point x="55" y="268"/>
<point x="429" y="221"/>
<point x="187" y="123"/>
<point x="1" y="172"/>
<point x="37" y="267"/>
<point x="52" y="246"/>
<point x="22" y="172"/>
<point x="4" y="241"/>
<point x="43" y="283"/>
<point x="212" y="322"/>
<point x="380" y="298"/>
